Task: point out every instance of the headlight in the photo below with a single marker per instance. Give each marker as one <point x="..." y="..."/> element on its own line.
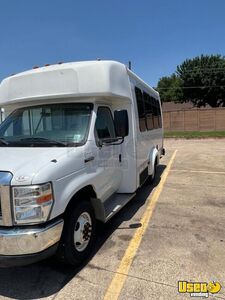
<point x="32" y="204"/>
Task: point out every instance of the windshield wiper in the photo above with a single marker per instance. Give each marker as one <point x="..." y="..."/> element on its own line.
<point x="40" y="140"/>
<point x="74" y="144"/>
<point x="3" y="142"/>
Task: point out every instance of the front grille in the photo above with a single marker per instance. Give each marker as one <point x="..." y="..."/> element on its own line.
<point x="5" y="207"/>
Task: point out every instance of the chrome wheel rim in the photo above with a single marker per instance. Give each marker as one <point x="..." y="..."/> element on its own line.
<point x="82" y="232"/>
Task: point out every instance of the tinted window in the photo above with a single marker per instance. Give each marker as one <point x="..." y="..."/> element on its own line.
<point x="148" y="111"/>
<point x="155" y="113"/>
<point x="141" y="111"/>
<point x="159" y="115"/>
<point x="104" y="124"/>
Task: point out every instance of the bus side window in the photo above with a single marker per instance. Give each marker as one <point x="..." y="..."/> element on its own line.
<point x="148" y="111"/>
<point x="159" y="114"/>
<point x="141" y="109"/>
<point x="155" y="113"/>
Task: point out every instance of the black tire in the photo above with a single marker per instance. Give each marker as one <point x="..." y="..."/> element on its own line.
<point x="68" y="252"/>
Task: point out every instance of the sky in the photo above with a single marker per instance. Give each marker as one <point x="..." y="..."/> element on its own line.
<point x="155" y="35"/>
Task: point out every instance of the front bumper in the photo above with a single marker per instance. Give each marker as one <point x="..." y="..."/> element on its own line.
<point x="30" y="242"/>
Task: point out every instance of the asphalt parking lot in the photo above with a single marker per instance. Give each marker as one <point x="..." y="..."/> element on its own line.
<point x="184" y="238"/>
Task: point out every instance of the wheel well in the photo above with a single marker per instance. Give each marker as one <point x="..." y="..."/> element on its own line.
<point x="86" y="193"/>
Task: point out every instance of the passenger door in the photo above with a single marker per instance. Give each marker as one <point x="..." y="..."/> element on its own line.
<point x="108" y="155"/>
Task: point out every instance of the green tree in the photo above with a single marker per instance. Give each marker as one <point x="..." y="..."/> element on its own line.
<point x="200" y="80"/>
<point x="170" y="88"/>
<point x="203" y="80"/>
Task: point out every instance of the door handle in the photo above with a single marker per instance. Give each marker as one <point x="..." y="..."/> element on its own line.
<point x="89" y="159"/>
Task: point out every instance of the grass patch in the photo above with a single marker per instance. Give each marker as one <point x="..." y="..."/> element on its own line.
<point x="194" y="134"/>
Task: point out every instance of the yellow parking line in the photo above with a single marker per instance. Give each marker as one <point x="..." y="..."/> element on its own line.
<point x="199" y="171"/>
<point x="120" y="276"/>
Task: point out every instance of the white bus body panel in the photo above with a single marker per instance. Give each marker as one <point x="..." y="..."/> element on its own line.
<point x="103" y="83"/>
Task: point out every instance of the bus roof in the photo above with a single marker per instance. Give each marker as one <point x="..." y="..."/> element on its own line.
<point x="75" y="79"/>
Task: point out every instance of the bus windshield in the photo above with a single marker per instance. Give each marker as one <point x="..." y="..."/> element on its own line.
<point x="47" y="125"/>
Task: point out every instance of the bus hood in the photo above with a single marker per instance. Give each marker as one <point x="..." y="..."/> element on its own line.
<point x="45" y="164"/>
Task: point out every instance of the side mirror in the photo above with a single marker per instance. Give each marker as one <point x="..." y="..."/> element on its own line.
<point x="121" y="123"/>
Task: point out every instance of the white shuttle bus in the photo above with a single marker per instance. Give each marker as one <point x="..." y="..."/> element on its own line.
<point x="77" y="141"/>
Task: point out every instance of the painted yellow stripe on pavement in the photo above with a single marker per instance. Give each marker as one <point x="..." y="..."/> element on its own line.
<point x="120" y="276"/>
<point x="199" y="171"/>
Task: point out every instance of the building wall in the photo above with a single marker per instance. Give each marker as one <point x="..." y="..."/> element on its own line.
<point x="195" y="120"/>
